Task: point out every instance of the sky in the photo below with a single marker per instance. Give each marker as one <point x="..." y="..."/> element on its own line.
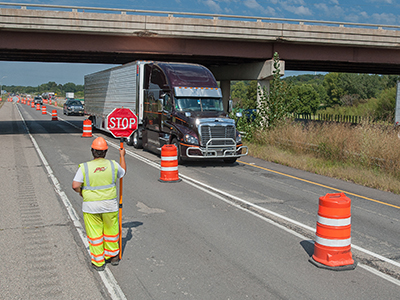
<point x="384" y="12"/>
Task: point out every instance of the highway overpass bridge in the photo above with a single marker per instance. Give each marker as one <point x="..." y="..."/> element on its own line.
<point x="233" y="47"/>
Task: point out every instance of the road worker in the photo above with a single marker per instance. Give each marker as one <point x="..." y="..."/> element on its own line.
<point x="96" y="182"/>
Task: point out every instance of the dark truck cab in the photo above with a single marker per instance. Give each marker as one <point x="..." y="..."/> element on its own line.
<point x="183" y="106"/>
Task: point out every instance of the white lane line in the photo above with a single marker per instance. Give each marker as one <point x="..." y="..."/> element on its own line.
<point x="245" y="204"/>
<point x="106" y="276"/>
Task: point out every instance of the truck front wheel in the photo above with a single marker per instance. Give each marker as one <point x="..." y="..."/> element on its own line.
<point x="176" y="143"/>
<point x="134" y="140"/>
<point x="137" y="142"/>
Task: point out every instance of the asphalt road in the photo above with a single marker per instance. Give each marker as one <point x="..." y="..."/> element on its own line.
<point x="185" y="242"/>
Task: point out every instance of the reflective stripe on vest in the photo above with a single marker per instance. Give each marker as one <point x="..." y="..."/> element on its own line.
<point x="94" y="188"/>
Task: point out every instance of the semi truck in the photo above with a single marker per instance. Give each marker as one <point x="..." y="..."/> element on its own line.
<point x="175" y="103"/>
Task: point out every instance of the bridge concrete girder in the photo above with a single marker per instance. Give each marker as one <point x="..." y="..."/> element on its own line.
<point x="87" y="37"/>
<point x="260" y="71"/>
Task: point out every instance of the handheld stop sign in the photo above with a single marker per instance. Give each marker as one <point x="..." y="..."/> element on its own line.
<point x="121" y="122"/>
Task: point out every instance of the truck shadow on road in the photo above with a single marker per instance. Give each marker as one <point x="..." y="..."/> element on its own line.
<point x="40" y="127"/>
<point x="208" y="163"/>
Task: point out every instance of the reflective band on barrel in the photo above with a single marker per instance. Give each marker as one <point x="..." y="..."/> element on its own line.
<point x="169" y="168"/>
<point x="332" y="243"/>
<point x="169" y="158"/>
<point x="334" y="222"/>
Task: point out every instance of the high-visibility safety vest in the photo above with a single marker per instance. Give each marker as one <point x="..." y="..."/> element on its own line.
<point x="99" y="180"/>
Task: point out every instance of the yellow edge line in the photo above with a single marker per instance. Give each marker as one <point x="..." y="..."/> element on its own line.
<point x="321" y="185"/>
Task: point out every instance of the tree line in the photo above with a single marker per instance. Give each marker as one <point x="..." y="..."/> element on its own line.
<point x="59" y="89"/>
<point x="342" y="93"/>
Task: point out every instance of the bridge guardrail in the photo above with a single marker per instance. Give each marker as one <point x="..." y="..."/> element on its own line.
<point x="201" y="15"/>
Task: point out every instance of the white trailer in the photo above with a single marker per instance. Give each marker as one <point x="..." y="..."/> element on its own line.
<point x="114" y="88"/>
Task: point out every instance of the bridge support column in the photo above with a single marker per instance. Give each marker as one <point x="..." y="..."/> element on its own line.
<point x="226" y="92"/>
<point x="260" y="71"/>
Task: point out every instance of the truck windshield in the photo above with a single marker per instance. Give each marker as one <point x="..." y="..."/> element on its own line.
<point x="199" y="104"/>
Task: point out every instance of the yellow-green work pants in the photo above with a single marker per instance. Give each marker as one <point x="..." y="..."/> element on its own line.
<point x="102" y="231"/>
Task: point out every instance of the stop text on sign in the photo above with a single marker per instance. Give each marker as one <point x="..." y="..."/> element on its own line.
<point x="122" y="123"/>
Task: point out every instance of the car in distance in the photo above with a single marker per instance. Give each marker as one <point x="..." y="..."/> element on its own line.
<point x="38" y="100"/>
<point x="73" y="107"/>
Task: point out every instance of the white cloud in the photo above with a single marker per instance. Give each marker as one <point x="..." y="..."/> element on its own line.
<point x="296" y="2"/>
<point x="383" y="1"/>
<point x="384" y="18"/>
<point x="352" y="18"/>
<point x="298" y="10"/>
<point x="364" y="17"/>
<point x="253" y="4"/>
<point x="331" y="11"/>
<point x="322" y="6"/>
<point x="214" y="6"/>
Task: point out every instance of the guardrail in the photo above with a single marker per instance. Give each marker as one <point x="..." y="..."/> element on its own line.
<point x="198" y="15"/>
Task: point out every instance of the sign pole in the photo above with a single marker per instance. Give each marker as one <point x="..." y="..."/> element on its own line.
<point x="121" y="123"/>
<point x="121" y="145"/>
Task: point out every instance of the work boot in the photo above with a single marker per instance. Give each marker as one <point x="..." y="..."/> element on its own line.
<point x="114" y="260"/>
<point x="99" y="268"/>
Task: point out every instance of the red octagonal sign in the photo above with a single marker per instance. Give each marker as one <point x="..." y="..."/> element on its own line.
<point x="121" y="122"/>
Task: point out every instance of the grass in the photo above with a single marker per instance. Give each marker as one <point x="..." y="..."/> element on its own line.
<point x="368" y="155"/>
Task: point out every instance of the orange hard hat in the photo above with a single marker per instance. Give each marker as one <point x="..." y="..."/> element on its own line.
<point x="99" y="144"/>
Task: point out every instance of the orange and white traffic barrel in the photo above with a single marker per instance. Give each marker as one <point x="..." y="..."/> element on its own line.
<point x="32" y="104"/>
<point x="54" y="115"/>
<point x="87" y="128"/>
<point x="169" y="164"/>
<point x="37" y="106"/>
<point x="332" y="248"/>
<point x="44" y="111"/>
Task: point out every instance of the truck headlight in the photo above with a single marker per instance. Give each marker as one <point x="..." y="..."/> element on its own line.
<point x="238" y="138"/>
<point x="190" y="139"/>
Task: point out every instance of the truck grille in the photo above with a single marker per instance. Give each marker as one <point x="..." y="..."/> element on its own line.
<point x="208" y="132"/>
